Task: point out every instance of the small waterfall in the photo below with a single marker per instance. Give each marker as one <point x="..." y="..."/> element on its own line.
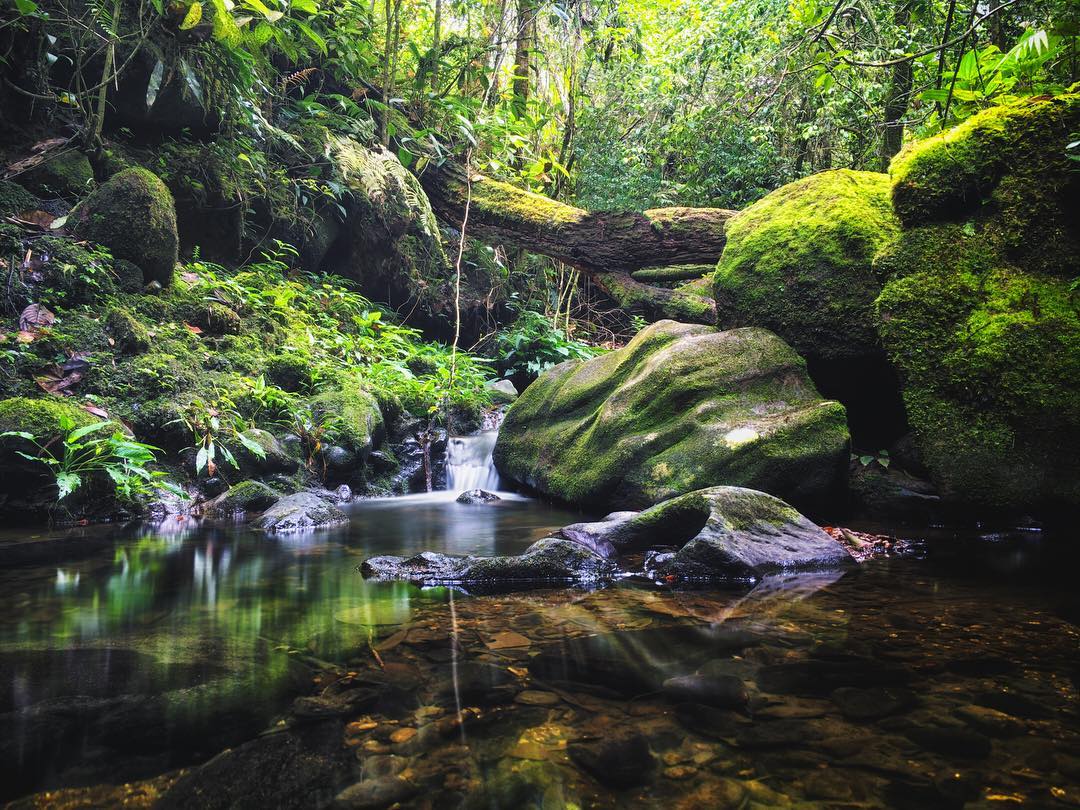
<point x="469" y="464"/>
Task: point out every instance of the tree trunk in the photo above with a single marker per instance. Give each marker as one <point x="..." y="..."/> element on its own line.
<point x="526" y="28"/>
<point x="897" y="96"/>
<point x="606" y="246"/>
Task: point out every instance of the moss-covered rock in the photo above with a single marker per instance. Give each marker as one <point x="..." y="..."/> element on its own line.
<point x="241" y="498"/>
<point x="14" y="199"/>
<point x="130" y="336"/>
<point x="68" y="175"/>
<point x="990" y="358"/>
<point x="798" y="262"/>
<point x="1006" y="167"/>
<point x="300" y="512"/>
<point x="680" y="408"/>
<point x="352" y="419"/>
<point x="132" y="214"/>
<point x="27" y="487"/>
<point x="981" y="316"/>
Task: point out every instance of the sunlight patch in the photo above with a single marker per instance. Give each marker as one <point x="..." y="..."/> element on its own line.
<point x="740" y="436"/>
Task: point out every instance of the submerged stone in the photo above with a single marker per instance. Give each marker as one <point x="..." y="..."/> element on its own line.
<point x="477" y="496"/>
<point x="621" y="758"/>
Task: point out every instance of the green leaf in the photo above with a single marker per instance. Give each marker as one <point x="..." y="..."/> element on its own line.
<point x="201" y="459"/>
<point x="67" y="483"/>
<point x="75" y="435"/>
<point x="26" y="6"/>
<point x="154" y="85"/>
<point x="192" y="18"/>
<point x="253" y="446"/>
<point x="314" y="38"/>
<point x="865" y="460"/>
<point x="22" y="434"/>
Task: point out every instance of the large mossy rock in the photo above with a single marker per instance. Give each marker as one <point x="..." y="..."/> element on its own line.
<point x="681" y="407"/>
<point x="979" y="312"/>
<point x="133" y="215"/>
<point x="798" y="262"/>
<point x="391" y="246"/>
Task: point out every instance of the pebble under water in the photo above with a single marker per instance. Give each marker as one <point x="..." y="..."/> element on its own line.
<point x="130" y="657"/>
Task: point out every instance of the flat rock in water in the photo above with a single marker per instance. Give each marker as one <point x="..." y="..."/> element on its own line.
<point x="990" y="721"/>
<point x="372" y="794"/>
<point x="817" y="677"/>
<point x="619" y="759"/>
<point x="871" y="704"/>
<point x="722" y="691"/>
<point x="950" y="742"/>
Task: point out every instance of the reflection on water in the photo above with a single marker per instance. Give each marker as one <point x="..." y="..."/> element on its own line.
<point x="909" y="683"/>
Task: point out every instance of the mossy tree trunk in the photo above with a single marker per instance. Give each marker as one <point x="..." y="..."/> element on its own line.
<point x="606" y="246"/>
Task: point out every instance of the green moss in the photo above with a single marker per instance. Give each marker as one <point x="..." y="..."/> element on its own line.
<point x="679" y="408"/>
<point x="798" y="262"/>
<point x="129" y="335"/>
<point x="493" y="198"/>
<point x="14" y="199"/>
<point x="353" y="418"/>
<point x="702" y="287"/>
<point x="68" y="175"/>
<point x="990" y="356"/>
<point x="1008" y="168"/>
<point x="40" y="417"/>
<point x="675" y="272"/>
<point x="246" y="496"/>
<point x="133" y="215"/>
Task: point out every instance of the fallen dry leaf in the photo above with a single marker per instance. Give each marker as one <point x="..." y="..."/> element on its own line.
<point x="95" y="410"/>
<point x="35" y="317"/>
<point x="190" y="278"/>
<point x="35" y="219"/>
<point x="25" y="336"/>
<point x="506" y="640"/>
<point x="193" y="329"/>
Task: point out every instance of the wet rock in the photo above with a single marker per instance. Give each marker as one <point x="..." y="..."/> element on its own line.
<point x="533" y="697"/>
<point x="990" y="721"/>
<point x="316" y="707"/>
<point x="473" y="682"/>
<point x="299" y="512"/>
<point x="477" y="496"/>
<point x="708" y="721"/>
<point x="372" y="794"/>
<point x="867" y="705"/>
<point x="740" y="533"/>
<point x="722" y="691"/>
<point x="775" y="734"/>
<point x="716" y="794"/>
<point x="377" y="765"/>
<point x="817" y="677"/>
<point x="551" y="559"/>
<point x="241" y="498"/>
<point x="620" y="759"/>
<point x="679" y="408"/>
<point x="300" y="768"/>
<point x="950" y="742"/>
<point x="1012" y="702"/>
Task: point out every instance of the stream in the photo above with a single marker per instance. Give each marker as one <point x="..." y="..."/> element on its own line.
<point x="945" y="678"/>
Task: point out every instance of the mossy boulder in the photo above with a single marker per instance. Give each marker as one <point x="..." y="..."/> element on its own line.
<point x="681" y="407"/>
<point x="241" y="498"/>
<point x="133" y="215"/>
<point x="979" y="312"/>
<point x="352" y="419"/>
<point x="14" y="199"/>
<point x="130" y="336"/>
<point x="1008" y="168"/>
<point x="990" y="358"/>
<point x="798" y="262"/>
<point x="68" y="175"/>
<point x="302" y="511"/>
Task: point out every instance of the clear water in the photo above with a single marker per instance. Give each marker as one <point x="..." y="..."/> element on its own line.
<point x="128" y="653"/>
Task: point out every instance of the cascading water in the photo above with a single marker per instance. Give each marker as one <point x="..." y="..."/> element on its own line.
<point x="469" y="464"/>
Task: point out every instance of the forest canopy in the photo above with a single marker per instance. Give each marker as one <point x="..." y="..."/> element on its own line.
<point x="621" y="104"/>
